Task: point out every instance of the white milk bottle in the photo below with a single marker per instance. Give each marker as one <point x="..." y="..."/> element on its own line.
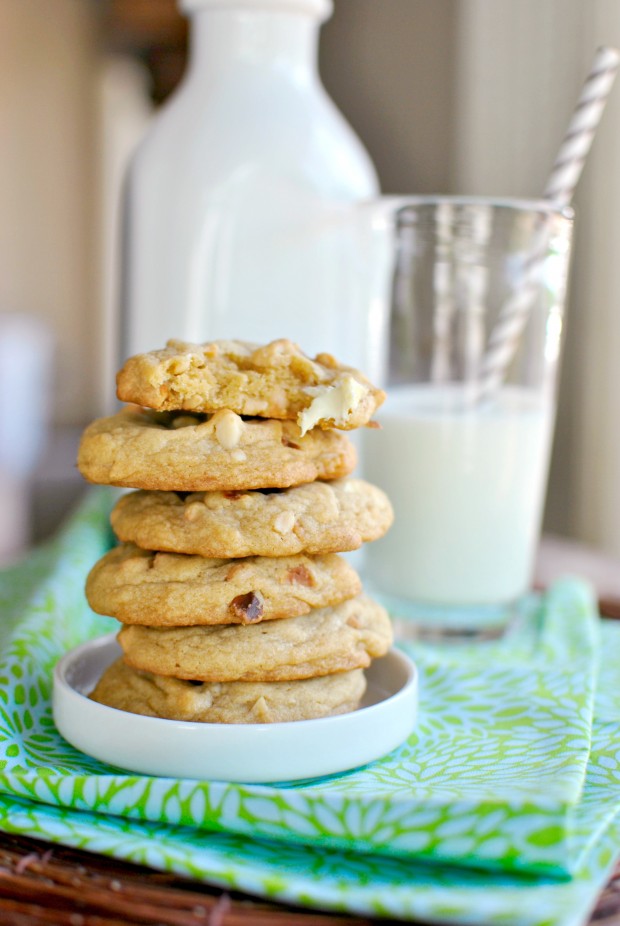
<point x="238" y="201"/>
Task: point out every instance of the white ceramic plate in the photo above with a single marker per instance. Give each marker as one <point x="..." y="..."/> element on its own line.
<point x="233" y="752"/>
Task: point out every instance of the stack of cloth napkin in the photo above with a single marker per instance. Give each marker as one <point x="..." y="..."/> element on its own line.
<point x="501" y="808"/>
<point x="234" y="603"/>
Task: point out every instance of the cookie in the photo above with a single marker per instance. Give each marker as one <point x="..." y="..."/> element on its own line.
<point x="334" y="639"/>
<point x="228" y="702"/>
<point x="274" y="381"/>
<point x="172" y="589"/>
<point x="320" y="517"/>
<point x="143" y="449"/>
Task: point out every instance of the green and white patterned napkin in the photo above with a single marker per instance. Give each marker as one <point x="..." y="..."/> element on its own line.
<point x="499" y="773"/>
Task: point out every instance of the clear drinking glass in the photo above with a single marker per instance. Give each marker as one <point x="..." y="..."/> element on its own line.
<point x="465" y="463"/>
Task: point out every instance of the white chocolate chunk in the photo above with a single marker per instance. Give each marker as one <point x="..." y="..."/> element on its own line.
<point x="285" y="522"/>
<point x="185" y="421"/>
<point x="228" y="428"/>
<point x="332" y="403"/>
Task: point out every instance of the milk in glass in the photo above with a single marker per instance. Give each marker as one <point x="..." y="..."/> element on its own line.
<point x="468" y="482"/>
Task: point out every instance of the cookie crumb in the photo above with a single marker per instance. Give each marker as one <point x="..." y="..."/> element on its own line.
<point x="232" y="571"/>
<point x="289" y="443"/>
<point x="179" y="365"/>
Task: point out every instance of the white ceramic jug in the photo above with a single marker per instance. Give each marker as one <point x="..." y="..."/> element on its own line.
<point x="240" y="204"/>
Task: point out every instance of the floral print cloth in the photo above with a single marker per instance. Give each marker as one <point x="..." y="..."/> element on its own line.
<point x="500" y="808"/>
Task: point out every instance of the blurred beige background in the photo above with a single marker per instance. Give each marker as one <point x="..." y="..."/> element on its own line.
<point x="462" y="96"/>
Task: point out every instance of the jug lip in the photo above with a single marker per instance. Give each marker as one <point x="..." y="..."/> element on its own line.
<point x="321" y="9"/>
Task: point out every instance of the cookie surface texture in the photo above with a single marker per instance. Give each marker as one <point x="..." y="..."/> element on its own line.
<point x="320" y="517"/>
<point x="141" y="449"/>
<point x="171" y="589"/>
<point x="273" y="381"/>
<point x="327" y="640"/>
<point x="235" y="702"/>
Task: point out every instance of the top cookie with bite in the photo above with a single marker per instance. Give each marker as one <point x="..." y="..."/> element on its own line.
<point x="276" y="380"/>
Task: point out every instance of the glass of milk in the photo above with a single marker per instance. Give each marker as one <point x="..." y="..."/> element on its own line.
<point x="464" y="465"/>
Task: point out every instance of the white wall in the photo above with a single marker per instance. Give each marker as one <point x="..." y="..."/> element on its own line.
<point x="389" y="66"/>
<point x="519" y="70"/>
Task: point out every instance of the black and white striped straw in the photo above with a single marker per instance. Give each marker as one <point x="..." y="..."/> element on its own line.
<point x="559" y="191"/>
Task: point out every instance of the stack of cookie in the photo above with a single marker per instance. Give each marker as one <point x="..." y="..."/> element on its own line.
<point x="234" y="603"/>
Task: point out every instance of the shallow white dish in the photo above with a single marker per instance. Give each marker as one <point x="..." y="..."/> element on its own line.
<point x="233" y="752"/>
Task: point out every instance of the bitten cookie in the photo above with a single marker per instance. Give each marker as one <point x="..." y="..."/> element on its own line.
<point x="142" y="449"/>
<point x="171" y="589"/>
<point x="319" y="517"/>
<point x="274" y="381"/>
<point x="327" y="640"/>
<point x="230" y="702"/>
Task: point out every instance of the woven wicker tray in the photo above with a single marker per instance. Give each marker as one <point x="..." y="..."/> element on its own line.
<point x="67" y="887"/>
